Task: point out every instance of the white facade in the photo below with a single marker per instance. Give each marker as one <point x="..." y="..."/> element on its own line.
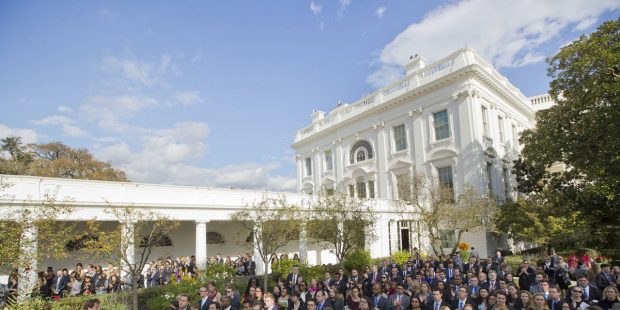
<point x="456" y="120"/>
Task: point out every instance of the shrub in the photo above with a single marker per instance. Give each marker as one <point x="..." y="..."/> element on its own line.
<point x="282" y="268"/>
<point x="219" y="271"/>
<point x="357" y="259"/>
<point x="400" y="257"/>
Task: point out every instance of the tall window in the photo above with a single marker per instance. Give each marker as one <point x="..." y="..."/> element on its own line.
<point x="403" y="186"/>
<point x="400" y="138"/>
<point x="361" y="145"/>
<point x="351" y="190"/>
<point x="361" y="188"/>
<point x="500" y="124"/>
<point x="371" y="189"/>
<point x="445" y="180"/>
<point x="329" y="164"/>
<point x="515" y="137"/>
<point x="308" y="166"/>
<point x="485" y="121"/>
<point x="442" y="125"/>
<point x="506" y="174"/>
<point x="329" y="192"/>
<point x="490" y="177"/>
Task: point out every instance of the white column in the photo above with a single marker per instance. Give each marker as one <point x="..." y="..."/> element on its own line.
<point x="201" y="244"/>
<point x="260" y="265"/>
<point x="128" y="250"/>
<point x="27" y="262"/>
<point x="303" y="243"/>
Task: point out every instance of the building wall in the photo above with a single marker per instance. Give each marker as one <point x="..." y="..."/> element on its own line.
<point x="463" y="84"/>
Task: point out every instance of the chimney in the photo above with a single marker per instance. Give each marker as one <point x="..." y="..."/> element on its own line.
<point x="416" y="63"/>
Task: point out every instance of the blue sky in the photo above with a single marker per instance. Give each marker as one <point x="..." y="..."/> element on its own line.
<point x="211" y="93"/>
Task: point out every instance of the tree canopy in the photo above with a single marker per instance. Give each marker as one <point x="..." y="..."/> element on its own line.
<point x="54" y="160"/>
<point x="569" y="168"/>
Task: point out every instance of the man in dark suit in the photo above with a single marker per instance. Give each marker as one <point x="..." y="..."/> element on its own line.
<point x="555" y="300"/>
<point x="437" y="301"/>
<point x="321" y="302"/>
<point x="400" y="301"/>
<point x="473" y="288"/>
<point x="328" y="281"/>
<point x="604" y="278"/>
<point x="204" y="298"/>
<point x="384" y="269"/>
<point x="226" y="303"/>
<point x="462" y="300"/>
<point x="293" y="278"/>
<point x="235" y="297"/>
<point x="590" y="292"/>
<point x="304" y="294"/>
<point x="375" y="275"/>
<point x="61" y="281"/>
<point x="471" y="266"/>
<point x="377" y="300"/>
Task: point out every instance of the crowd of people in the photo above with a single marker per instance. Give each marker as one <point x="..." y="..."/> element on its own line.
<point x="446" y="283"/>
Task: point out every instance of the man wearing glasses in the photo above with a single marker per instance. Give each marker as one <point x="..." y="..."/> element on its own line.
<point x="575" y="300"/>
<point x="204" y="299"/>
<point x="526" y="275"/>
<point x="234" y="296"/>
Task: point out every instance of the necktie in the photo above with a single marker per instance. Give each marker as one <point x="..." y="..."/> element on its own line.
<point x="376" y="301"/>
<point x="436" y="306"/>
<point x="461" y="304"/>
<point x="585" y="294"/>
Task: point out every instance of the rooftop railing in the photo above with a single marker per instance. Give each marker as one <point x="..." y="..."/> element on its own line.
<point x="436" y="70"/>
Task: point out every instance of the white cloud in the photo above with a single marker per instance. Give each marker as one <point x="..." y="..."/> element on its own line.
<point x="166" y="156"/>
<point x="315" y="8"/>
<point x="507" y="33"/>
<point x="108" y="13"/>
<point x="344" y="4"/>
<point x="139" y="71"/>
<point x="64" y="109"/>
<point x="68" y="125"/>
<point x="384" y="75"/>
<point x="28" y="135"/>
<point x="108" y="112"/>
<point x="380" y="11"/>
<point x="188" y="98"/>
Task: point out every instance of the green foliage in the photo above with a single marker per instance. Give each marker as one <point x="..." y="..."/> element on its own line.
<point x="569" y="168"/>
<point x="400" y="257"/>
<point x="116" y="301"/>
<point x="219" y="271"/>
<point x="54" y="160"/>
<point x="282" y="268"/>
<point x="357" y="259"/>
<point x="310" y="272"/>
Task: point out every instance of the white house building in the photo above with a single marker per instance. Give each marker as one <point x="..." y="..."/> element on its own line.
<point x="456" y="119"/>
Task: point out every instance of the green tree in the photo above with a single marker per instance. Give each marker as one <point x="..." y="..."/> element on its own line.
<point x="131" y="242"/>
<point x="30" y="232"/>
<point x="438" y="208"/>
<point x="55" y="160"/>
<point x="271" y="221"/>
<point x="340" y="224"/>
<point x="570" y="163"/>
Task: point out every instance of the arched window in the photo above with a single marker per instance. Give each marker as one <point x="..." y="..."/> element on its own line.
<point x="361" y="145"/>
<point x="361" y="155"/>
<point x="80" y="242"/>
<point x="156" y="241"/>
<point x="214" y="237"/>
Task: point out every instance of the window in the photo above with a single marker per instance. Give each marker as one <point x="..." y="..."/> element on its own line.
<point x="442" y="125"/>
<point x="329" y="164"/>
<point x="250" y="237"/>
<point x="361" y="145"/>
<point x="80" y="242"/>
<point x="506" y="174"/>
<point x="156" y="241"/>
<point x="403" y="186"/>
<point x="308" y="166"/>
<point x="329" y="192"/>
<point x="400" y="138"/>
<point x="447" y="238"/>
<point x="361" y="156"/>
<point x="500" y="124"/>
<point x="490" y="177"/>
<point x="371" y="189"/>
<point x="445" y="177"/>
<point x="361" y="188"/>
<point x="351" y="190"/>
<point x="515" y="137"/>
<point x="485" y="122"/>
<point x="214" y="237"/>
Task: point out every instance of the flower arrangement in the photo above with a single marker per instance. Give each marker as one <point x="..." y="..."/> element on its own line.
<point x="464" y="246"/>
